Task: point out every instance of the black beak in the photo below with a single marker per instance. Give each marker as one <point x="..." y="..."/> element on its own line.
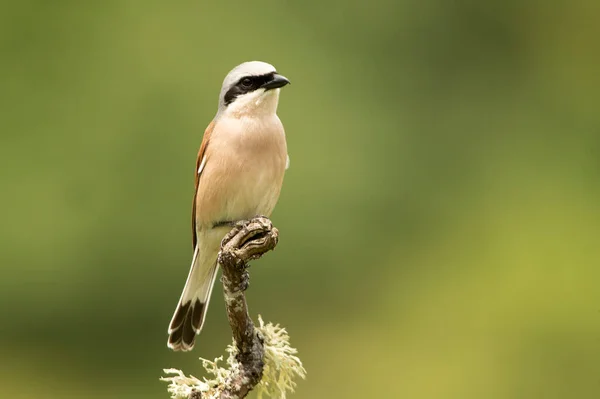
<point x="276" y="82"/>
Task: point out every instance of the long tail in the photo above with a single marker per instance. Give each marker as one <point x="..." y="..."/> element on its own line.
<point x="190" y="313"/>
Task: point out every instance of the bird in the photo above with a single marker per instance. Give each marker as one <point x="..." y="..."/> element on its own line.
<point x="239" y="174"/>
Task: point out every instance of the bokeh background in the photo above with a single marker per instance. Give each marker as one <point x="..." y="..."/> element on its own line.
<point x="440" y="222"/>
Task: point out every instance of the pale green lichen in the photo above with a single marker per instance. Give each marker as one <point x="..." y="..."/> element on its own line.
<point x="281" y="367"/>
<point x="281" y="363"/>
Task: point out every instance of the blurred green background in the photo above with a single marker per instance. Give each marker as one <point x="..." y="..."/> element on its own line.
<point x="440" y="221"/>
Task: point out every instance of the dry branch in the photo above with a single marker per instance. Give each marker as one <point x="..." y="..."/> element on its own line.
<point x="261" y="356"/>
<point x="245" y="242"/>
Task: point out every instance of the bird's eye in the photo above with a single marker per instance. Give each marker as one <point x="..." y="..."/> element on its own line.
<point x="246" y="82"/>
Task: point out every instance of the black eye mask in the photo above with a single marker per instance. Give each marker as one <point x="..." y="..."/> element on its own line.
<point x="247" y="84"/>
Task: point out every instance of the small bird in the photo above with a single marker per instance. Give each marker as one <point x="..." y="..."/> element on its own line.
<point x="239" y="173"/>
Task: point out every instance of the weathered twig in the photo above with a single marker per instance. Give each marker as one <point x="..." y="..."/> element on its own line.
<point x="245" y="242"/>
<point x="261" y="356"/>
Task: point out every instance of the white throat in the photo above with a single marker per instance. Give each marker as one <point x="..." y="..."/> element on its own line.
<point x="256" y="103"/>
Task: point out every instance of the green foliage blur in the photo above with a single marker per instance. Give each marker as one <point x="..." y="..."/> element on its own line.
<point x="440" y="222"/>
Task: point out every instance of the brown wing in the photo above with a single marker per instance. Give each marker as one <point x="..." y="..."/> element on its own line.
<point x="201" y="154"/>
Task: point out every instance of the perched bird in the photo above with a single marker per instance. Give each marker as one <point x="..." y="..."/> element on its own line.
<point x="239" y="173"/>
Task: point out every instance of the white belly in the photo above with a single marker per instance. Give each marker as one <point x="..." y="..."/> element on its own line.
<point x="255" y="191"/>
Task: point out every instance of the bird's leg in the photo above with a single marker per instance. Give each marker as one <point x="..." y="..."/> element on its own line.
<point x="229" y="223"/>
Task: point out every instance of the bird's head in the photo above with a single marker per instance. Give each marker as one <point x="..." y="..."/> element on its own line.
<point x="251" y="88"/>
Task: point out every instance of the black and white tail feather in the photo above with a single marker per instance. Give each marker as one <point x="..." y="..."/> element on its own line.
<point x="190" y="313"/>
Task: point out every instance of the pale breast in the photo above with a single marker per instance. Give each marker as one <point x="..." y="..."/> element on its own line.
<point x="244" y="170"/>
